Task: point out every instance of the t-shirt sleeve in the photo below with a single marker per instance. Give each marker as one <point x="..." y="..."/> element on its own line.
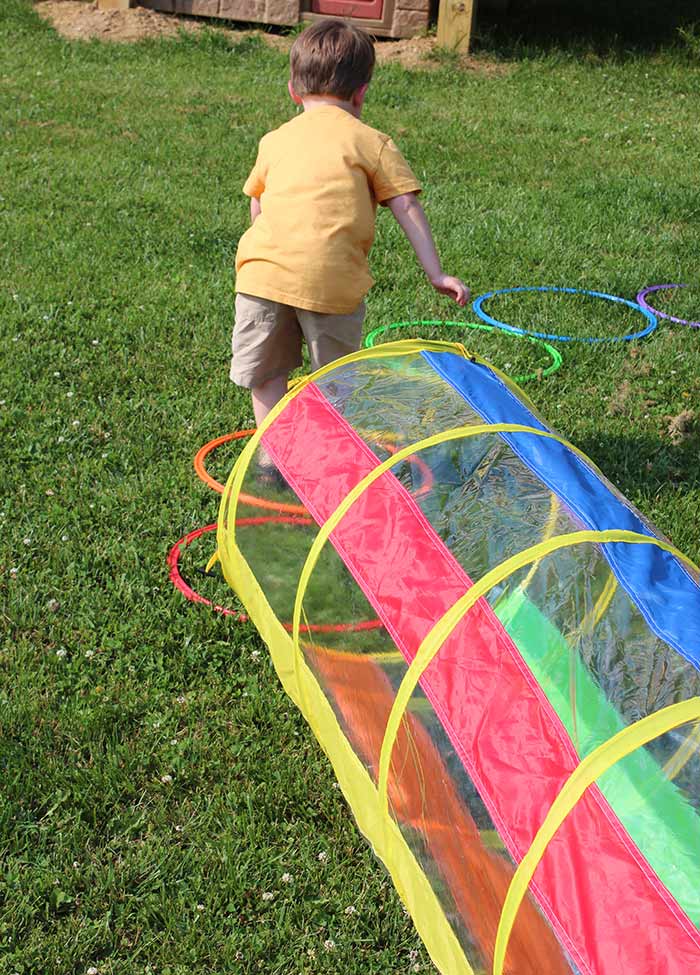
<point x="255" y="184"/>
<point x="393" y="175"/>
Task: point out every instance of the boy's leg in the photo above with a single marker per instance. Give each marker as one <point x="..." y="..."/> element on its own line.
<point x="266" y="347"/>
<point x="329" y="337"/>
<point x="267" y="395"/>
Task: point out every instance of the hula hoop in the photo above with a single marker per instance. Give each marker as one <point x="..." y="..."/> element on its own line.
<point x="650" y="317"/>
<point x="250" y="499"/>
<point x="291" y="509"/>
<point x="641" y="299"/>
<point x="176" y="577"/>
<point x="539" y="374"/>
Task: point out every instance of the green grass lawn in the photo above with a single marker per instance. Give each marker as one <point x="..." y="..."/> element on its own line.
<point x="156" y="783"/>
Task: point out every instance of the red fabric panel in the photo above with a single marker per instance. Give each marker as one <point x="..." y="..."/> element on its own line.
<point x="608" y="906"/>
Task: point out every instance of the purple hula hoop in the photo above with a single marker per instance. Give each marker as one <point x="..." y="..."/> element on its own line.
<point x="655" y="311"/>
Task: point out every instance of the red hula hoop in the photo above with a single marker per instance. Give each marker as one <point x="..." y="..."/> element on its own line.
<point x="193" y="596"/>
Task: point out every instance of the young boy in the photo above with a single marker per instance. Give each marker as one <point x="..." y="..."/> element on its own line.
<point x="301" y="268"/>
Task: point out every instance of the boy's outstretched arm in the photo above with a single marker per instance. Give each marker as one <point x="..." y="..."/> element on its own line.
<point x="414" y="223"/>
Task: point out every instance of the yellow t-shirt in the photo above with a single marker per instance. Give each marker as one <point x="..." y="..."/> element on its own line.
<point x="319" y="178"/>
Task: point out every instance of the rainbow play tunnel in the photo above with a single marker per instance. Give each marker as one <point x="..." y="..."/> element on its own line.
<point x="478" y="622"/>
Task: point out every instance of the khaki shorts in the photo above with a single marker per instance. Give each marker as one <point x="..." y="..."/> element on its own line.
<point x="267" y="338"/>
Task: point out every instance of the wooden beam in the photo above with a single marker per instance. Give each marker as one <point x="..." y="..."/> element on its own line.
<point x="456" y="23"/>
<point x="115" y="4"/>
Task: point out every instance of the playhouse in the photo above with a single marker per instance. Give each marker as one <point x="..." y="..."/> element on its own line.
<point x="384" y="18"/>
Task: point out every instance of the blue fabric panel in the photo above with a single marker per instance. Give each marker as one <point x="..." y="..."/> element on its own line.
<point x="660" y="585"/>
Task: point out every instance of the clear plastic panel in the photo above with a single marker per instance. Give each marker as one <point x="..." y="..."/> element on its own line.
<point x="393" y="402"/>
<point x="601" y="668"/>
<point x="343" y="642"/>
<point x="445" y="822"/>
<point x="274" y="532"/>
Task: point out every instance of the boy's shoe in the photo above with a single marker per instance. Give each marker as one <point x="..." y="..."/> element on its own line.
<point x="270" y="477"/>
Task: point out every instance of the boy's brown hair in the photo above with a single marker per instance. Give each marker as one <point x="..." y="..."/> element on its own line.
<point x="331" y="57"/>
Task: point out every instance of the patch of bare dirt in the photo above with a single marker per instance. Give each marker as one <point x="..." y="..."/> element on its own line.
<point x="680" y="427"/>
<point x="82" y="20"/>
<point x="78" y="20"/>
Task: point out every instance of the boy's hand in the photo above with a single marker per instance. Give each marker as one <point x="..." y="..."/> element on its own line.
<point x="452" y="287"/>
<point x="414" y="223"/>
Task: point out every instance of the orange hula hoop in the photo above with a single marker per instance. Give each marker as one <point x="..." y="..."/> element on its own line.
<point x="290" y="509"/>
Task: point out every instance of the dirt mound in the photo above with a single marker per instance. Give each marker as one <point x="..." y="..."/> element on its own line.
<point x="78" y="20"/>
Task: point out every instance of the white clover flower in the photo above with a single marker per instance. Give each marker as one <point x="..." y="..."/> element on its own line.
<point x="200" y="907"/>
<point x="61" y="654"/>
<point x="181" y="699"/>
<point x="268" y="895"/>
<point x="92" y="971"/>
<point x="173" y="741"/>
<point x="27" y="541"/>
<point x="351" y="909"/>
<point x="413" y="954"/>
<point x="70" y="393"/>
<point x="60" y="439"/>
<point x="57" y="374"/>
<point x="179" y="828"/>
<point x="95" y="341"/>
<point x="89" y="654"/>
<point x="255" y="654"/>
<point x="287" y="878"/>
<point x="13" y="571"/>
<point x="49" y="493"/>
<point x="166" y="779"/>
<point x="322" y="857"/>
<point x="76" y="423"/>
<point x="329" y="944"/>
<point x="64" y="538"/>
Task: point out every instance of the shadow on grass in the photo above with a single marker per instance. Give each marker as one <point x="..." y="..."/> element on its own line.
<point x="644" y="463"/>
<point x="536" y="28"/>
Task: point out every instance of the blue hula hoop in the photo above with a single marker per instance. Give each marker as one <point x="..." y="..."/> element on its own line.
<point x="649" y="315"/>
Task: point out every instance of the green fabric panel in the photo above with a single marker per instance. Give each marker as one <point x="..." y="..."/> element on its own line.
<point x="657" y="816"/>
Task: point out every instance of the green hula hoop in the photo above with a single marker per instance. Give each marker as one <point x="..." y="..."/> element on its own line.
<point x="554" y="354"/>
